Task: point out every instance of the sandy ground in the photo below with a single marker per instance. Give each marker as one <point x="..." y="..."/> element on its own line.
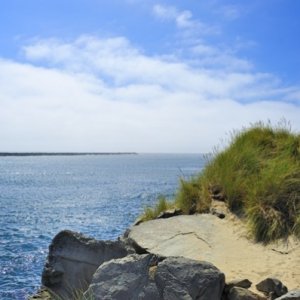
<point x="224" y="243"/>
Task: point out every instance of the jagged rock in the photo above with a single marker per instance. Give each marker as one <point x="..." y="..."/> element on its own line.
<point x="243" y="283"/>
<point x="152" y="277"/>
<point x="238" y="293"/>
<point x="125" y="278"/>
<point x="73" y="258"/>
<point x="178" y="276"/>
<point x="169" y="213"/>
<point x="272" y="286"/>
<point x="291" y="295"/>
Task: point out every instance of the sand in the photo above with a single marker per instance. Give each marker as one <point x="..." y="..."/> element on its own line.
<point x="223" y="242"/>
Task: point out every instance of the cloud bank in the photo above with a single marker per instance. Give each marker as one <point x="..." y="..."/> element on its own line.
<point x="105" y="94"/>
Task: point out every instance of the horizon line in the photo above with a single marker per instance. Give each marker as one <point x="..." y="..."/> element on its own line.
<point x="63" y="153"/>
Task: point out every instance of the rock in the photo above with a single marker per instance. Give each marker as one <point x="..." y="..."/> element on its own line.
<point x="272" y="285"/>
<point x="125" y="278"/>
<point x="217" y="193"/>
<point x="163" y="215"/>
<point x="181" y="278"/>
<point x="219" y="197"/>
<point x="291" y="295"/>
<point x="238" y="293"/>
<point x="151" y="277"/>
<point x="243" y="283"/>
<point x="193" y="209"/>
<point x="169" y="213"/>
<point x="219" y="209"/>
<point x="73" y="258"/>
<point x="188" y="236"/>
<point x="216" y="189"/>
<point x="218" y="213"/>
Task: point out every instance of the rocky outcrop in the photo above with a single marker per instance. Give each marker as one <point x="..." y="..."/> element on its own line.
<point x="73" y="260"/>
<point x="165" y="259"/>
<point x="154" y="278"/>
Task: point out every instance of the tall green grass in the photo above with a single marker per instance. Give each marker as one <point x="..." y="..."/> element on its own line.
<point x="152" y="213"/>
<point x="259" y="176"/>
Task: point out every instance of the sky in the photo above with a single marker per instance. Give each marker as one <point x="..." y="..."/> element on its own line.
<point x="144" y="76"/>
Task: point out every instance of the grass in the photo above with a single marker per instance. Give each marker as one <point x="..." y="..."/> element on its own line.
<point x="76" y="294"/>
<point x="259" y="176"/>
<point x="152" y="213"/>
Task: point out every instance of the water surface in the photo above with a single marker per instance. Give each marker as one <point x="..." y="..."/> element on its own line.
<point x="99" y="196"/>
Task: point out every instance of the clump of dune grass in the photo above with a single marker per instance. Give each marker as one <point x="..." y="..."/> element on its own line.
<point x="161" y="206"/>
<point x="190" y="198"/>
<point x="258" y="174"/>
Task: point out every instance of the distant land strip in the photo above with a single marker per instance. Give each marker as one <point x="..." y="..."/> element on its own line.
<point x="63" y="153"/>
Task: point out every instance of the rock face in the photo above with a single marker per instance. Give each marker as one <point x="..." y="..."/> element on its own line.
<point x="181" y="235"/>
<point x="74" y="258"/>
<point x="151" y="277"/>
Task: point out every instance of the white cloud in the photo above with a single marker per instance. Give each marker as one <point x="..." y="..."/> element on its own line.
<point x="94" y="94"/>
<point x="184" y="20"/>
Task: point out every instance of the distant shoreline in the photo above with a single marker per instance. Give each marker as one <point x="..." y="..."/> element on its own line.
<point x="63" y="153"/>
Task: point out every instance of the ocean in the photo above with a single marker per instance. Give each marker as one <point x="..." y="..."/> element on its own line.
<point x="98" y="195"/>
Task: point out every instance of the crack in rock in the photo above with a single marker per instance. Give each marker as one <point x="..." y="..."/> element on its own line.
<point x="191" y="232"/>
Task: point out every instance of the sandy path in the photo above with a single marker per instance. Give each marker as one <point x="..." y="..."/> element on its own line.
<point x="223" y="243"/>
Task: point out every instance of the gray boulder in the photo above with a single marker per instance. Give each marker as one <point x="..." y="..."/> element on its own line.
<point x="272" y="286"/>
<point x="73" y="259"/>
<point x="152" y="277"/>
<point x="182" y="278"/>
<point x="291" y="295"/>
<point x="125" y="278"/>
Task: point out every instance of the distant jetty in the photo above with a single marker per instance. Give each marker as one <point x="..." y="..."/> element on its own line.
<point x="63" y="153"/>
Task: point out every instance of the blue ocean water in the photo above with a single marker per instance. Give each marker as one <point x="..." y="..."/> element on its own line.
<point x="99" y="196"/>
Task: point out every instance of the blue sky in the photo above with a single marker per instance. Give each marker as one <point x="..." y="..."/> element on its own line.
<point x="146" y="76"/>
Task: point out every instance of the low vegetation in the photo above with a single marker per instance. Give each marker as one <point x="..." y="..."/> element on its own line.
<point x="258" y="176"/>
<point x="152" y="213"/>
